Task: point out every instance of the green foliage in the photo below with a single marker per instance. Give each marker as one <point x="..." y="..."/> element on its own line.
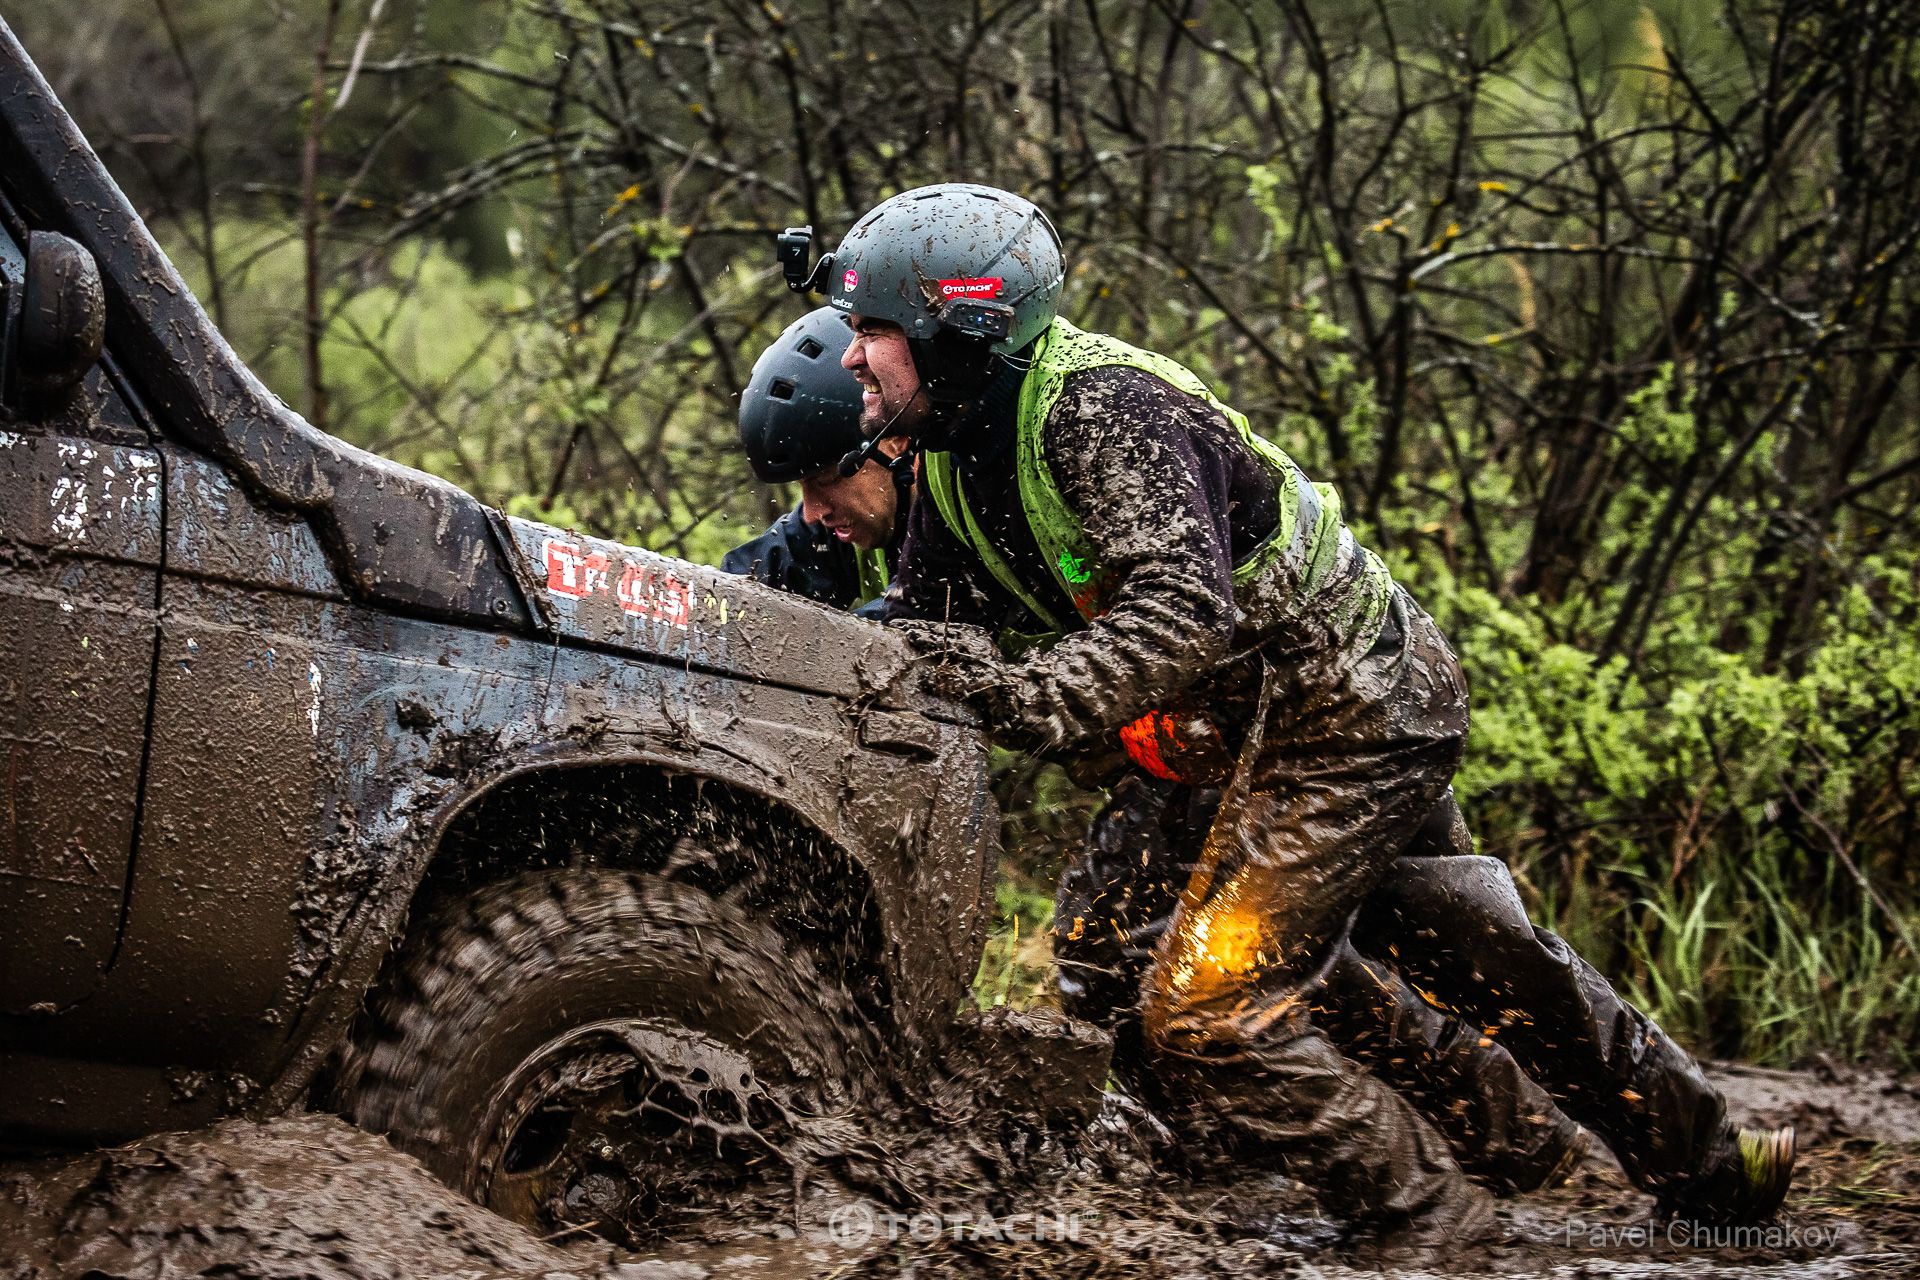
<point x="1265" y="190"/>
<point x="1017" y="967"/>
<point x="1701" y="805"/>
<point x="1661" y="434"/>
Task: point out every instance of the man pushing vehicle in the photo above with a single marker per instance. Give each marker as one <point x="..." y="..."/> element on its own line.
<point x="1103" y="549"/>
<point x="800" y="417"/>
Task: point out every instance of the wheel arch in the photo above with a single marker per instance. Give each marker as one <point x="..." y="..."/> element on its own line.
<point x="711" y="821"/>
<point x="643" y="814"/>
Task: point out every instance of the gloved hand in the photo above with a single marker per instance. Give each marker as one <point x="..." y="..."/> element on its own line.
<point x="964" y="662"/>
<point x="958" y="660"/>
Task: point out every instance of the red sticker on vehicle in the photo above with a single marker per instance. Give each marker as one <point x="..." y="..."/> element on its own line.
<point x="573" y="571"/>
<point x="650" y="593"/>
<point x="972" y="287"/>
<point x="850" y="280"/>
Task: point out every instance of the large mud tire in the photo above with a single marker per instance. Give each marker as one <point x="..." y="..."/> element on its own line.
<point x="591" y="1046"/>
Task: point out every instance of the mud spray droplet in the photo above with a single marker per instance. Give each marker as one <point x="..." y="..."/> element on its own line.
<point x="313" y="711"/>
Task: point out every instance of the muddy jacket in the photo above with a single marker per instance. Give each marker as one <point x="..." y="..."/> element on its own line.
<point x="1106" y="495"/>
<point x="807" y="560"/>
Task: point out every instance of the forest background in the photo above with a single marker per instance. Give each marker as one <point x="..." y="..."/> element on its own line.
<point x="1601" y="315"/>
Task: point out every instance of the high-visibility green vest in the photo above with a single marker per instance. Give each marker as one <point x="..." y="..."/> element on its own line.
<point x="871" y="575"/>
<point x="1308" y="540"/>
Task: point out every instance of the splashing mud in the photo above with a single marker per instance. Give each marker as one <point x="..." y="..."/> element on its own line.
<point x="1002" y="1182"/>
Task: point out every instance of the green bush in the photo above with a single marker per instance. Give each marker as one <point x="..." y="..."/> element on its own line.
<point x="1730" y="841"/>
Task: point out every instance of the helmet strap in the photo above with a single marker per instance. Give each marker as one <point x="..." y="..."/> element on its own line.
<point x="954" y="367"/>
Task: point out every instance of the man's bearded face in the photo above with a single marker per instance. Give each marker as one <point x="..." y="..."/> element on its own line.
<point x="882" y="362"/>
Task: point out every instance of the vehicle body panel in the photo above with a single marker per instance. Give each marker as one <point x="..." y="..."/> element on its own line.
<point x="77" y="624"/>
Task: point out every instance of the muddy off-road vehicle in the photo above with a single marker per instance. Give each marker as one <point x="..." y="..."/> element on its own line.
<point x="567" y="865"/>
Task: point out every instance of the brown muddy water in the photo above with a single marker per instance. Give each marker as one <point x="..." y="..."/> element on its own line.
<point x="309" y="1195"/>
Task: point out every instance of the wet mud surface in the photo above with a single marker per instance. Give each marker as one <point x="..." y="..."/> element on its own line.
<point x="309" y="1195"/>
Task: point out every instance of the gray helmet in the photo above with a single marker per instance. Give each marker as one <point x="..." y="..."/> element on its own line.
<point x="800" y="412"/>
<point x="923" y="249"/>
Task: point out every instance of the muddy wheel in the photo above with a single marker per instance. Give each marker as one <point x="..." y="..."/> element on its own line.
<point x="602" y="1050"/>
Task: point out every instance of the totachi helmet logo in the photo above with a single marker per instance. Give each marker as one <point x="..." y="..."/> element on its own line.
<point x="851" y="280"/>
<point x="972" y="287"/>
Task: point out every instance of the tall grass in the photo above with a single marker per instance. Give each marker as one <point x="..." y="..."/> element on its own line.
<point x="1745" y="964"/>
<point x="1017" y="967"/>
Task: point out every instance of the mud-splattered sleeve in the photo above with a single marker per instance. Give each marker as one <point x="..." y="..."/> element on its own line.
<point x="1148" y="470"/>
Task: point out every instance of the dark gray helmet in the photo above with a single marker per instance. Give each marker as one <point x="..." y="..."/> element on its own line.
<point x="922" y="250"/>
<point x="800" y="412"/>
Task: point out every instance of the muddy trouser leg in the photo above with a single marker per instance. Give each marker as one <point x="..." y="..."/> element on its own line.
<point x="1114" y="903"/>
<point x="1345" y="778"/>
<point x="1503" y="1127"/>
<point x="1456" y="925"/>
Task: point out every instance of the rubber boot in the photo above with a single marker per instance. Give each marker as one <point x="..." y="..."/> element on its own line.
<point x="1744" y="1183"/>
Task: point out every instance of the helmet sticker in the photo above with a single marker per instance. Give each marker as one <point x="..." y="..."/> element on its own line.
<point x="851" y="280"/>
<point x="972" y="287"/>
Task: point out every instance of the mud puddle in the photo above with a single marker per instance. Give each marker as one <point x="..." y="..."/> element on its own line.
<point x="308" y="1195"/>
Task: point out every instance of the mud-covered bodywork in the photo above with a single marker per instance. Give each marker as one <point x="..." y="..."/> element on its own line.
<point x="253" y="683"/>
